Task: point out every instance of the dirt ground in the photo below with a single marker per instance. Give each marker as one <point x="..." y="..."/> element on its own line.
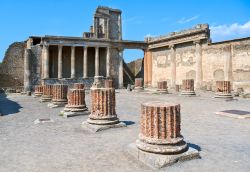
<point x="224" y="142"/>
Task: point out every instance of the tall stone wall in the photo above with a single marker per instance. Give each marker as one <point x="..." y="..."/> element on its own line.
<point x="229" y="60"/>
<point x="11" y="69"/>
<point x="136" y="67"/>
<point x="35" y="65"/>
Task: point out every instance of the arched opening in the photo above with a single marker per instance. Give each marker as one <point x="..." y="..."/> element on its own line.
<point x="132" y="65"/>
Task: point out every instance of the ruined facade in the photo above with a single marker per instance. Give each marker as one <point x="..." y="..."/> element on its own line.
<point x="189" y="54"/>
<point x="57" y="59"/>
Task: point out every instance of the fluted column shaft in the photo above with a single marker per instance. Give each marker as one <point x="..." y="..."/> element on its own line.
<point x="73" y="62"/>
<point x="108" y="62"/>
<point x="46" y="60"/>
<point x="96" y="61"/>
<point x="60" y="71"/>
<point x="85" y="62"/>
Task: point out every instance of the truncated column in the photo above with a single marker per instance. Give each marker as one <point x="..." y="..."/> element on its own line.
<point x="162" y="86"/>
<point x="160" y="128"/>
<point x="188" y="87"/>
<point x="76" y="103"/>
<point x="47" y="93"/>
<point x="103" y="107"/>
<point x="38" y="91"/>
<point x="223" y="89"/>
<point x="59" y="97"/>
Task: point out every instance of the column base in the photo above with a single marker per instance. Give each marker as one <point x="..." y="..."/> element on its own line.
<point x="96" y="128"/>
<point x="188" y="93"/>
<point x="103" y="121"/>
<point x="38" y="94"/>
<point x="55" y="105"/>
<point x="45" y="98"/>
<point x="72" y="114"/>
<point x="223" y="96"/>
<point x="162" y="91"/>
<point x="157" y="161"/>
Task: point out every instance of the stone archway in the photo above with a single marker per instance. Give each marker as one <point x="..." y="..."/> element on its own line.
<point x="191" y="74"/>
<point x="218" y="75"/>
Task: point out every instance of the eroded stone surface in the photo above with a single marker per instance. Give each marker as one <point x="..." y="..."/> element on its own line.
<point x="187" y="87"/>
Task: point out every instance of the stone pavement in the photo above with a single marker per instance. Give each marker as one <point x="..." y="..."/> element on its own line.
<point x="63" y="146"/>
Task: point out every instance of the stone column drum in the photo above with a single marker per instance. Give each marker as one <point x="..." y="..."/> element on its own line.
<point x="108" y="83"/>
<point x="76" y="103"/>
<point x="59" y="97"/>
<point x="103" y="107"/>
<point x="162" y="86"/>
<point x="138" y="84"/>
<point x="160" y="128"/>
<point x="223" y="89"/>
<point x="38" y="91"/>
<point x="47" y="93"/>
<point x="188" y="87"/>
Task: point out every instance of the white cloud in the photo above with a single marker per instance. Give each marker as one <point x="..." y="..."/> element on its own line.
<point x="225" y="32"/>
<point x="187" y="20"/>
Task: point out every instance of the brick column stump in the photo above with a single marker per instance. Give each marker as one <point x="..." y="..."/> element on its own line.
<point x="38" y="91"/>
<point x="47" y="93"/>
<point x="162" y="87"/>
<point x="103" y="114"/>
<point x="160" y="142"/>
<point x="188" y="87"/>
<point x="59" y="96"/>
<point x="76" y="103"/>
<point x="138" y="84"/>
<point x="223" y="90"/>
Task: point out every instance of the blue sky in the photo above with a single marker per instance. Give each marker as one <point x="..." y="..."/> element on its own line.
<point x="228" y="19"/>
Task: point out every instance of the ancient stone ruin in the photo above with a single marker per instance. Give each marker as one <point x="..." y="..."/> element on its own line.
<point x="223" y="89"/>
<point x="188" y="87"/>
<point x="160" y="141"/>
<point x="38" y="91"/>
<point x="59" y="95"/>
<point x="76" y="102"/>
<point x="47" y="93"/>
<point x="103" y="113"/>
<point x="162" y="87"/>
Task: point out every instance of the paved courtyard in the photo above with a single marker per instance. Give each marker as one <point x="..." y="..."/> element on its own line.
<point x="224" y="142"/>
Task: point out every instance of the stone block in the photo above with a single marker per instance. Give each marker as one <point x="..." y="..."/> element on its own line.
<point x="157" y="161"/>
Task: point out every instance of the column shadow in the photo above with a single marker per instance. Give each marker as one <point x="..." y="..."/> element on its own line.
<point x="7" y="106"/>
